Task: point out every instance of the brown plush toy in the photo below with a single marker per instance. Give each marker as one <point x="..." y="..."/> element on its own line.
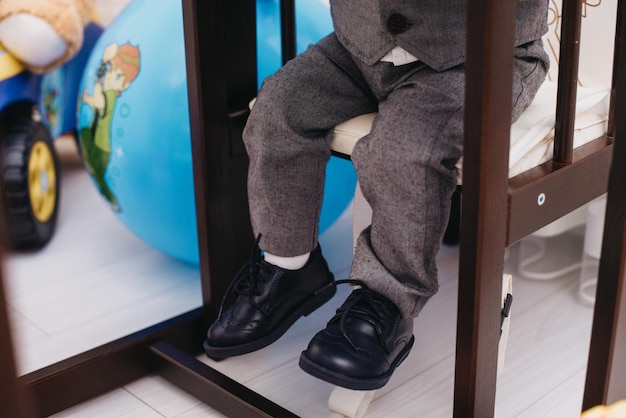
<point x="43" y="34"/>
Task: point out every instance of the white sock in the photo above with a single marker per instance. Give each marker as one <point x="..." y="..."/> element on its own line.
<point x="287" y="263"/>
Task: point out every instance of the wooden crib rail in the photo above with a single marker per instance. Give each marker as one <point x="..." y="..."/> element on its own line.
<point x="567" y="83"/>
<point x="490" y="222"/>
<point x="541" y="195"/>
<point x="489" y="70"/>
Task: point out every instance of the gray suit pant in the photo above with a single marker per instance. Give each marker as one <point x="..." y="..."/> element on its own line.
<point x="405" y="166"/>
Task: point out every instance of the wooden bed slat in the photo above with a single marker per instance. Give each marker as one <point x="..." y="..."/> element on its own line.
<point x="569" y="57"/>
<point x="489" y="70"/>
<point x="552" y="182"/>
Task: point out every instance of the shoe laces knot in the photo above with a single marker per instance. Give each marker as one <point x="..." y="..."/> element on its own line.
<point x="249" y="278"/>
<point x="374" y="308"/>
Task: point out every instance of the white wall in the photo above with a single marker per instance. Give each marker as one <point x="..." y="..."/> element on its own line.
<point x="596" y="45"/>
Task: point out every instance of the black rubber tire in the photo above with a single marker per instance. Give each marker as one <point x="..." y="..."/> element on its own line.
<point x="21" y="130"/>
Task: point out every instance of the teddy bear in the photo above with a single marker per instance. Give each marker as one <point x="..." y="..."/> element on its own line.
<point x="43" y="34"/>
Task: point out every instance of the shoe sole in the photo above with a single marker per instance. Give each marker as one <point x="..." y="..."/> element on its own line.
<point x="340" y="379"/>
<point x="301" y="310"/>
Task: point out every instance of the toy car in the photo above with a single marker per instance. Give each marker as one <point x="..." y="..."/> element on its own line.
<point x="33" y="110"/>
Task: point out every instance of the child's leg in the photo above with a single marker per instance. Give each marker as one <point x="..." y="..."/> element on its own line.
<point x="406" y="167"/>
<point x="287" y="138"/>
<point x="406" y="171"/>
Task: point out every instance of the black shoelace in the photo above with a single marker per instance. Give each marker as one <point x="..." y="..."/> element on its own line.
<point x="377" y="308"/>
<point x="248" y="279"/>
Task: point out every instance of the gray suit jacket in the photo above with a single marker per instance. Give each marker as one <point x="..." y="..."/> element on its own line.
<point x="431" y="30"/>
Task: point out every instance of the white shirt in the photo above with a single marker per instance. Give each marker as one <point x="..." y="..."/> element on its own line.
<point x="398" y="56"/>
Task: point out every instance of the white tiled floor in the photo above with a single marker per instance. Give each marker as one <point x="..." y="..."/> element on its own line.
<point x="149" y="397"/>
<point x="543" y="377"/>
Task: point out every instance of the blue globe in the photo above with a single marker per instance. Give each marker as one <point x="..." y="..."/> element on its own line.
<point x="141" y="124"/>
<point x="133" y="121"/>
<point x="313" y="22"/>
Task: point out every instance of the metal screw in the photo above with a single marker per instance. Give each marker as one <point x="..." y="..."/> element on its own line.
<point x="541" y="199"/>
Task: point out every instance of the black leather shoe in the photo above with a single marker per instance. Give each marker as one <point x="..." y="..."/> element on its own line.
<point x="269" y="300"/>
<point x="362" y="344"/>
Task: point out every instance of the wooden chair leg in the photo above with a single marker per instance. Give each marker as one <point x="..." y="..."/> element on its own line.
<point x="606" y="370"/>
<point x="485" y="186"/>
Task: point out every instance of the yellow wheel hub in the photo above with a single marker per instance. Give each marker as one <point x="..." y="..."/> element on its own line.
<point x="42" y="181"/>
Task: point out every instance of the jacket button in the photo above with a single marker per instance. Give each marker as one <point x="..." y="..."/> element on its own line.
<point x="397" y="23"/>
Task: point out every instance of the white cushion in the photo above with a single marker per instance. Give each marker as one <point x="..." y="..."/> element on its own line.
<point x="532" y="135"/>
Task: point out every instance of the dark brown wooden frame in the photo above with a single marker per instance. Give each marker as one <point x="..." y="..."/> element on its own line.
<point x="497" y="211"/>
<point x="12" y="396"/>
<point x="221" y="84"/>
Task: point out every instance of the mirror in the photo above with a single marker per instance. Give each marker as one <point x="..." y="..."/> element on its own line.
<point x="95" y="281"/>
